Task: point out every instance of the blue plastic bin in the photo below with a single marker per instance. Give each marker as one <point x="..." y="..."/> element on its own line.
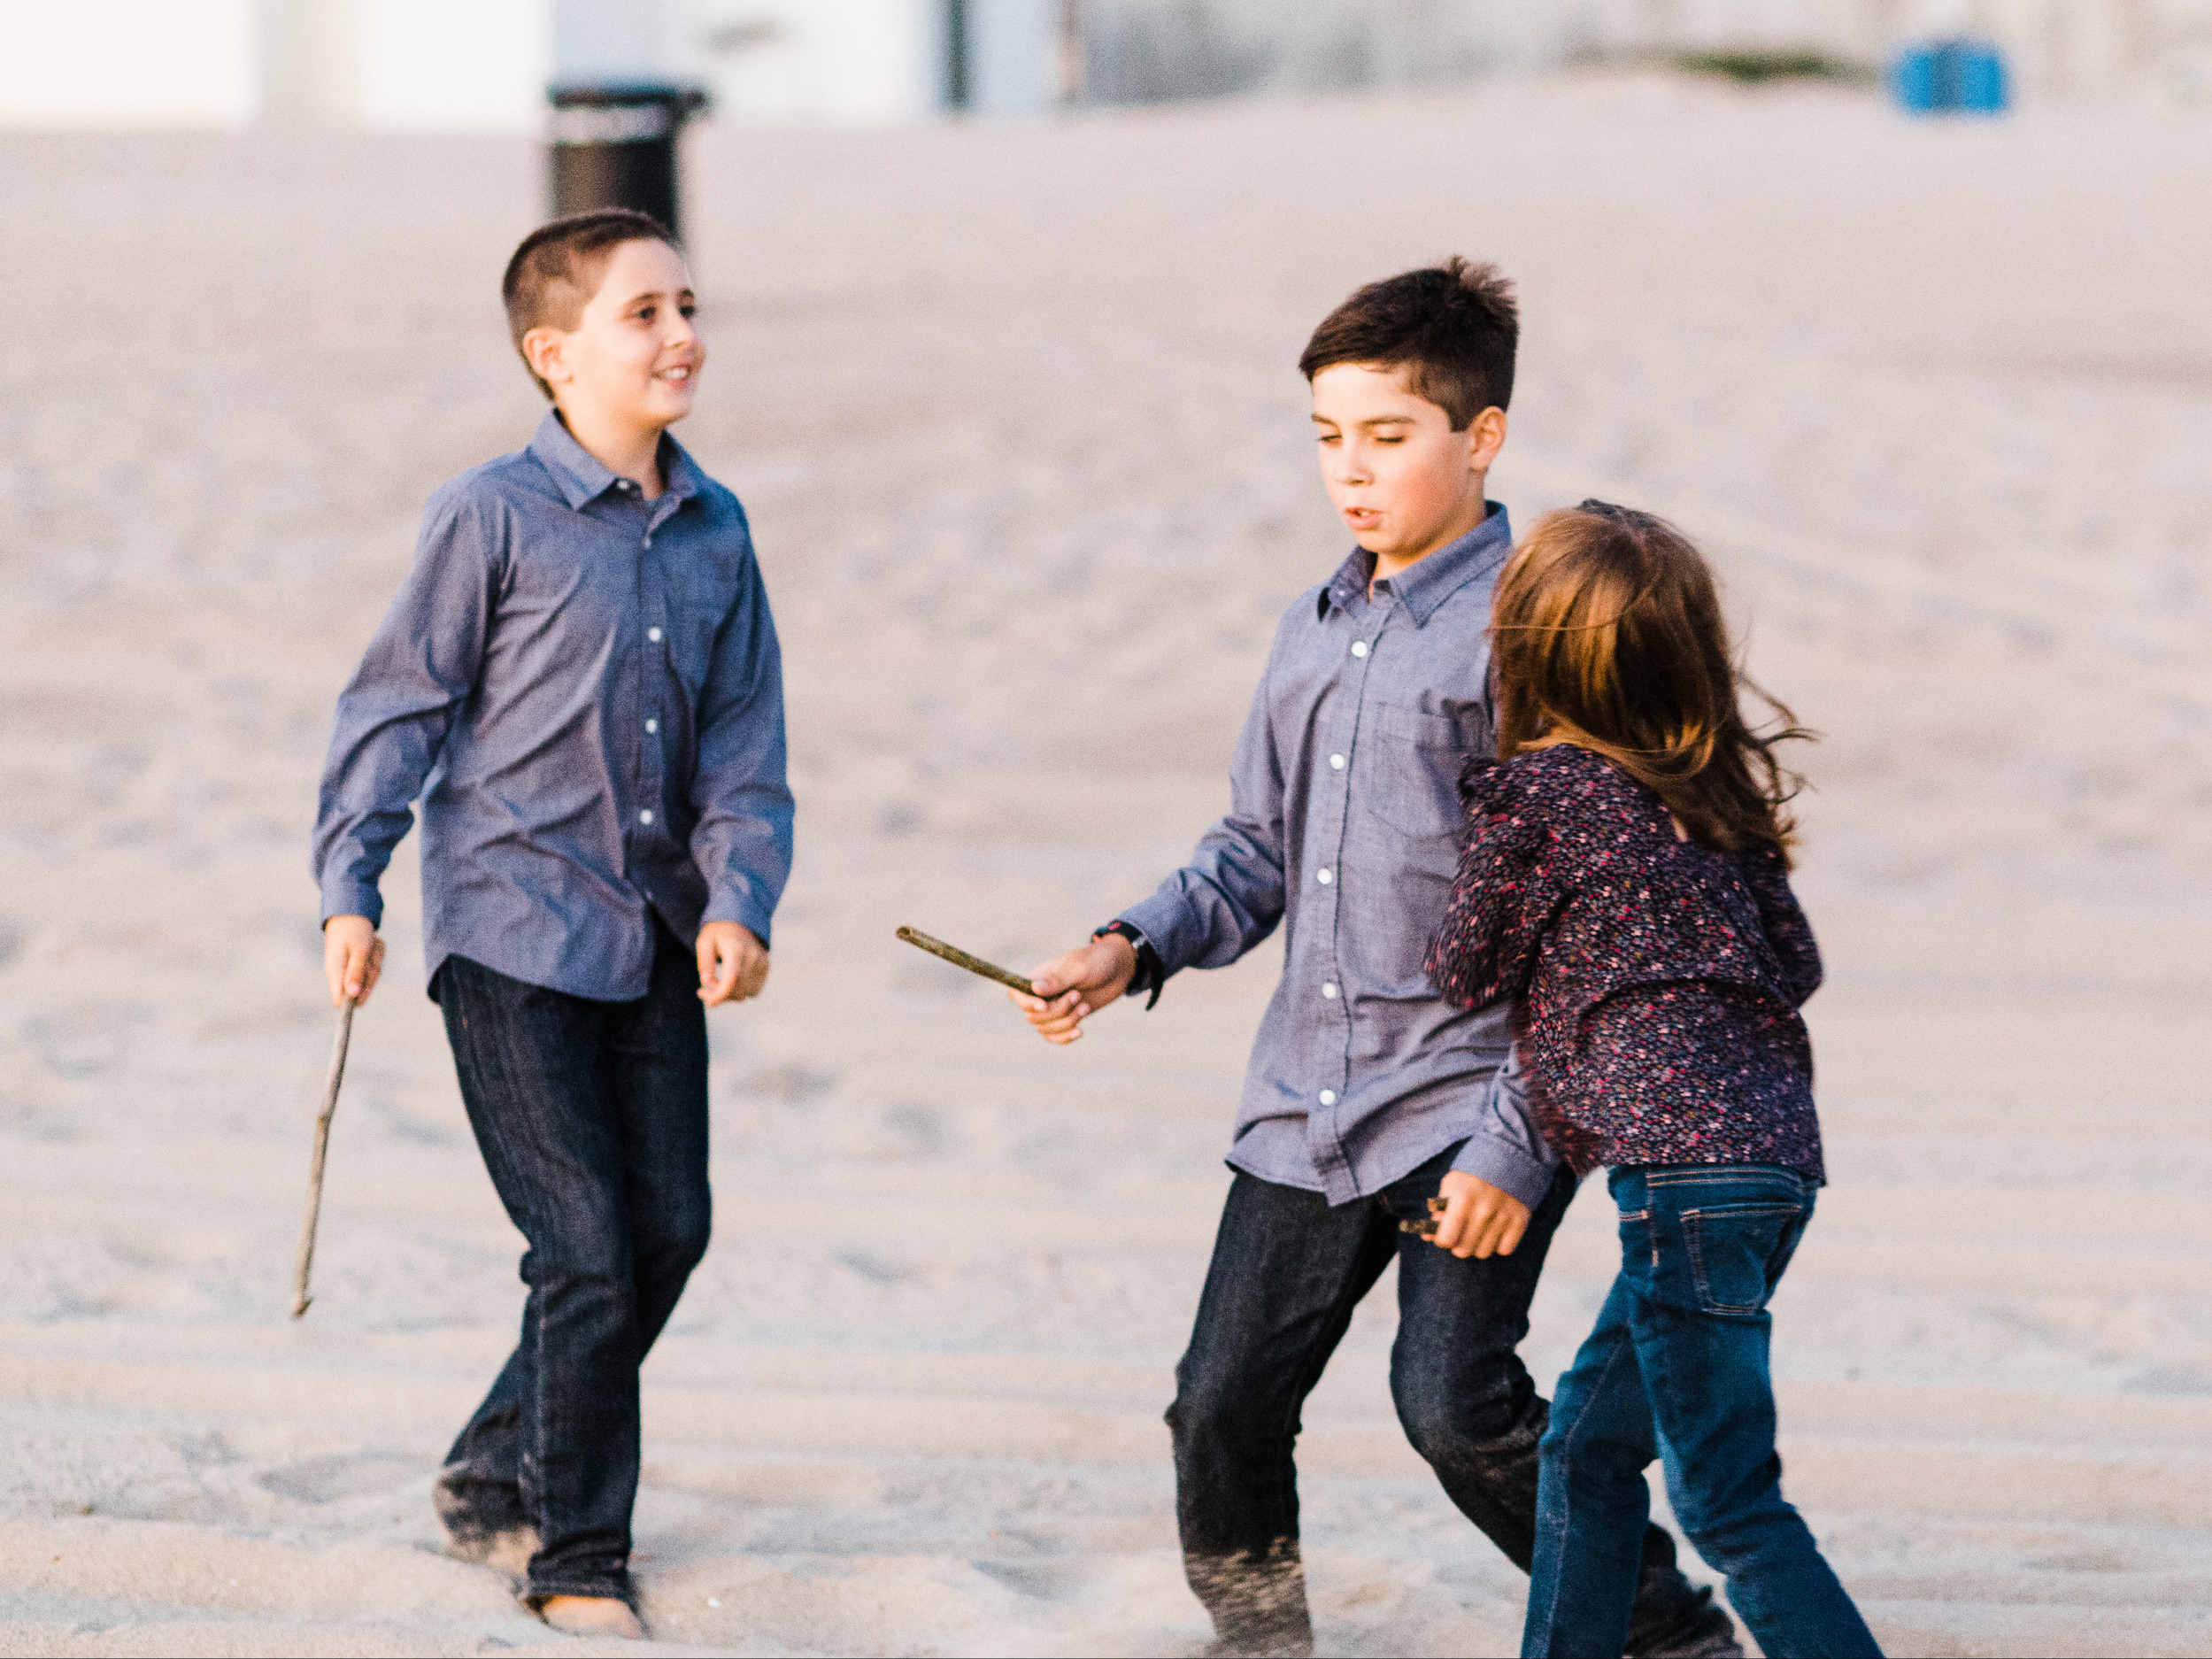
<point x="1944" y="77"/>
<point x="1913" y="87"/>
<point x="1979" y="77"/>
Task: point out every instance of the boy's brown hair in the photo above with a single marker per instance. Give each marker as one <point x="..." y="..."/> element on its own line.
<point x="559" y="267"/>
<point x="1453" y="327"/>
<point x="1609" y="634"/>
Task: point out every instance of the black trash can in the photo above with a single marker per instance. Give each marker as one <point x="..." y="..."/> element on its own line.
<point x="615" y="145"/>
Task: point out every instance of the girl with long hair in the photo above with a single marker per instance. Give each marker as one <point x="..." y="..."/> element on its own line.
<point x="1625" y="889"/>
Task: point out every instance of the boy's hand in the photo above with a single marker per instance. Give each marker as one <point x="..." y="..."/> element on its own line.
<point x="733" y="964"/>
<point x="1479" y="1220"/>
<point x="1076" y="985"/>
<point x="352" y="958"/>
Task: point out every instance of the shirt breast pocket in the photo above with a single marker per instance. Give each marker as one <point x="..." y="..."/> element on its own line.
<point x="700" y="607"/>
<point x="1411" y="775"/>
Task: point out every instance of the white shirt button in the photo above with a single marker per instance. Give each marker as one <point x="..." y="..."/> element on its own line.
<point x="1330" y="990"/>
<point x="653" y="633"/>
<point x="646" y="816"/>
<point x="1329" y="1097"/>
<point x="1359" y="647"/>
<point x="652" y="726"/>
<point x="1323" y="877"/>
<point x="1336" y="763"/>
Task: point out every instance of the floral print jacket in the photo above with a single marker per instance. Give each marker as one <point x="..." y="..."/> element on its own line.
<point x="1655" y="984"/>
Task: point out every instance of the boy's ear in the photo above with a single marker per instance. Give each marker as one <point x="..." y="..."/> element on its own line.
<point x="1485" y="437"/>
<point x="545" y="352"/>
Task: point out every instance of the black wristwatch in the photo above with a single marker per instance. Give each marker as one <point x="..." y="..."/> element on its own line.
<point x="1152" y="973"/>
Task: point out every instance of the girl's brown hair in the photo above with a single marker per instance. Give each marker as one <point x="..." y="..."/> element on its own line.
<point x="1609" y="637"/>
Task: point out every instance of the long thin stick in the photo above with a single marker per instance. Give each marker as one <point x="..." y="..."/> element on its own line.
<point x="300" y="1298"/>
<point x="961" y="958"/>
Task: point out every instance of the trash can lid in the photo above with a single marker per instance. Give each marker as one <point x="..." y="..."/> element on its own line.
<point x="678" y="98"/>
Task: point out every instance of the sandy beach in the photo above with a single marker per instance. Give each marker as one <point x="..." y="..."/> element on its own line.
<point x="1015" y="414"/>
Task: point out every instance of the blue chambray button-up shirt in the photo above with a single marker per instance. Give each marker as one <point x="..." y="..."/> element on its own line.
<point x="1345" y="826"/>
<point x="584" y="689"/>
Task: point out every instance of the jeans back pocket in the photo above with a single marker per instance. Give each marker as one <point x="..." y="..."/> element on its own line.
<point x="1737" y="1252"/>
<point x="1637" y="1237"/>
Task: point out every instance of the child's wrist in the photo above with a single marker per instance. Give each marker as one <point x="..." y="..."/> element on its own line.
<point x="1146" y="971"/>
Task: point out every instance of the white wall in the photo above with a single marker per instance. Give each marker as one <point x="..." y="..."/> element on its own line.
<point x="842" y="62"/>
<point x="627" y="39"/>
<point x="837" y="62"/>
<point x="452" y="66"/>
<point x="128" y="63"/>
<point x="1014" y="50"/>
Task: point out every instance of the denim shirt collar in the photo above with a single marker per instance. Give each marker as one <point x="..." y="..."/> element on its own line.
<point x="1427" y="582"/>
<point x="582" y="477"/>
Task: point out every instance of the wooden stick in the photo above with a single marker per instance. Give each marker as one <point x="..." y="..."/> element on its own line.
<point x="300" y="1298"/>
<point x="961" y="958"/>
<point x="1427" y="1229"/>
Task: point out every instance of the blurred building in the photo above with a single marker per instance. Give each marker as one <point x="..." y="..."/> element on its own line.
<point x="437" y="64"/>
<point x="483" y="64"/>
<point x="1140" y="50"/>
<point x="863" y="61"/>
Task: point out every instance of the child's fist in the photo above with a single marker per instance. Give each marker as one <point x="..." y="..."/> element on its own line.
<point x="1477" y="1219"/>
<point x="733" y="964"/>
<point x="352" y="958"/>
<point x="1072" y="986"/>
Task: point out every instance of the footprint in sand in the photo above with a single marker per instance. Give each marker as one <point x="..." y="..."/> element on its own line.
<point x="328" y="1479"/>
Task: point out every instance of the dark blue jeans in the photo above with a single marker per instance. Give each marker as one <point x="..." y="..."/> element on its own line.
<point x="592" y="1121"/>
<point x="1677" y="1369"/>
<point x="1288" y="1270"/>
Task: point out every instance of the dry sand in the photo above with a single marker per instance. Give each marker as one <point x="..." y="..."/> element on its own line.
<point x="1014" y="412"/>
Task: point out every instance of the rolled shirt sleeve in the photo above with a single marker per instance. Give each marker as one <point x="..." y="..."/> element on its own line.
<point x="395" y="712"/>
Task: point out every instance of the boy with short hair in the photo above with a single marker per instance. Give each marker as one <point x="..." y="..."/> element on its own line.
<point x="582" y="670"/>
<point x="1367" y="1094"/>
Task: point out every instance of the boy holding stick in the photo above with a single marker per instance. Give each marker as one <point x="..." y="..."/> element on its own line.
<point x="1367" y="1095"/>
<point x="582" y="670"/>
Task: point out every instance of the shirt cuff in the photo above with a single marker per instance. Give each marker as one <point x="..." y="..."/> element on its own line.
<point x="342" y="896"/>
<point x="1161" y="920"/>
<point x="1150" y="975"/>
<point x="738" y="904"/>
<point x="1512" y="1169"/>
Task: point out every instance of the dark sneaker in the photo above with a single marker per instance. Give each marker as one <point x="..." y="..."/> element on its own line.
<point x="1709" y="1634"/>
